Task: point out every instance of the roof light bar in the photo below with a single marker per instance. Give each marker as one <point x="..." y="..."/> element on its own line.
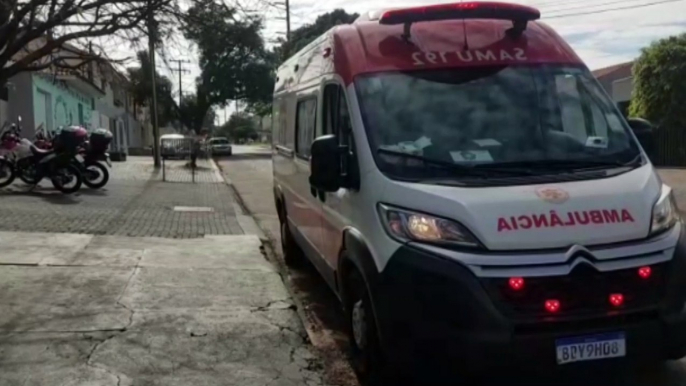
<point x="518" y="14"/>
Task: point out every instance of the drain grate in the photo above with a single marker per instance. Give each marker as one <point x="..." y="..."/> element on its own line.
<point x="193" y="209"/>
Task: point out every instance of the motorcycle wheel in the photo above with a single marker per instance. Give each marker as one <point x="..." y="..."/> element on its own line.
<point x="6" y="173"/>
<point x="28" y="178"/>
<point x="67" y="179"/>
<point x="95" y="175"/>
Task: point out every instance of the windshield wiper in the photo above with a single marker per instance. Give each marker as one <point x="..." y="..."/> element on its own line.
<point x="480" y="169"/>
<point x="571" y="164"/>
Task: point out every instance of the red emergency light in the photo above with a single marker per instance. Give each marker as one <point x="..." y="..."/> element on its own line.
<point x="616" y="299"/>
<point x="645" y="272"/>
<point x="516" y="283"/>
<point x="552" y="305"/>
<point x="519" y="14"/>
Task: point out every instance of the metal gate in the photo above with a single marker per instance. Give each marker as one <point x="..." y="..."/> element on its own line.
<point x="670" y="147"/>
<point x="176" y="149"/>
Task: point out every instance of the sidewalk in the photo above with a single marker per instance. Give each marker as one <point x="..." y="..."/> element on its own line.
<point x="135" y="202"/>
<point x="250" y="174"/>
<point x="202" y="306"/>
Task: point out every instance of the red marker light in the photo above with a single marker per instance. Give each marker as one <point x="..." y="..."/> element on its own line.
<point x="516" y="283"/>
<point x="616" y="299"/>
<point x="645" y="272"/>
<point x="552" y="305"/>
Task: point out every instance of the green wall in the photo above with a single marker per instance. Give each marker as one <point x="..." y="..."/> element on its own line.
<point x="63" y="107"/>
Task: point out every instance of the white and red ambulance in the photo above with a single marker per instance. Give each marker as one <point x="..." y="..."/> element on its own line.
<point x="473" y="196"/>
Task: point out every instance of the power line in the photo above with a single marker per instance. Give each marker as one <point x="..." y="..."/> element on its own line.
<point x="612" y="9"/>
<point x="181" y="71"/>
<point x="588" y="6"/>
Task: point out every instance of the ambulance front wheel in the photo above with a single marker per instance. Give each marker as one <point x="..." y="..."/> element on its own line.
<point x="362" y="330"/>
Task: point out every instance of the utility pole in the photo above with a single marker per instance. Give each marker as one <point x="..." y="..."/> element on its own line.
<point x="288" y="21"/>
<point x="180" y="70"/>
<point x="152" y="29"/>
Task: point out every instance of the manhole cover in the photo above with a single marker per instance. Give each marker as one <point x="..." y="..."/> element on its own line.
<point x="193" y="209"/>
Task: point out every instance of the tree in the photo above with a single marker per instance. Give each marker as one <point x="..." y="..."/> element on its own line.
<point x="39" y="34"/>
<point x="307" y="33"/>
<point x="233" y="60"/>
<point x="141" y="89"/>
<point x="660" y="83"/>
<point x="240" y="126"/>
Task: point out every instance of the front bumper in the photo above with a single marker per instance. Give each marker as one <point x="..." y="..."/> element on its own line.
<point x="435" y="311"/>
<point x="222" y="151"/>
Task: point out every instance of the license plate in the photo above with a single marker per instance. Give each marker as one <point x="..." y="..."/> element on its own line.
<point x="588" y="348"/>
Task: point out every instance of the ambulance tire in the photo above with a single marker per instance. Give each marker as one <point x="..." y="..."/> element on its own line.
<point x="365" y="348"/>
<point x="293" y="256"/>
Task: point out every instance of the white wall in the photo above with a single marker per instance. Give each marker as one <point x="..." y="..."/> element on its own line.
<point x="3" y="112"/>
<point x="621" y="89"/>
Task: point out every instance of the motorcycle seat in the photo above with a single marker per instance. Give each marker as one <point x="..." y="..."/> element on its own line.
<point x="38" y="151"/>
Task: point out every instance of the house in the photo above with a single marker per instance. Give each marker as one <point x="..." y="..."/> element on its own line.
<point x="617" y="81"/>
<point x="115" y="111"/>
<point x="93" y="95"/>
<point x="52" y="100"/>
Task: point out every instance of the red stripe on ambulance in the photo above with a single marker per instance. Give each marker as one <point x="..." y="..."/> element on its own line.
<point x="567" y="219"/>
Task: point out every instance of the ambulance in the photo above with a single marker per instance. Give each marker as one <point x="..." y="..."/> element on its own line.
<point x="473" y="197"/>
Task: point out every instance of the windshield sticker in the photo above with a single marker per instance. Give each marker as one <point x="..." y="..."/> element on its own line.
<point x="423" y="142"/>
<point x="568" y="219"/>
<point x="486" y="142"/>
<point x="424" y="58"/>
<point x="471" y="156"/>
<point x="597" y="142"/>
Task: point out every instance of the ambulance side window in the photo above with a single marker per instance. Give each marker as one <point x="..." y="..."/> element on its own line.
<point x="306" y="122"/>
<point x="336" y="114"/>
<point x="337" y="121"/>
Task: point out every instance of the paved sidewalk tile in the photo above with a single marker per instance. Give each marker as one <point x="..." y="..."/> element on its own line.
<point x="135" y="202"/>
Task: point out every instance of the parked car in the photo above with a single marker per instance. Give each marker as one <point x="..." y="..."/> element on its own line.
<point x="473" y="197"/>
<point x="220" y="146"/>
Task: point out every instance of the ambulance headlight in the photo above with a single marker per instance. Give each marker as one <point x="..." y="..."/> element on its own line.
<point x="665" y="212"/>
<point x="405" y="225"/>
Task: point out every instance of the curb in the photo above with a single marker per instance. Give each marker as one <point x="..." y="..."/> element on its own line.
<point x="339" y="367"/>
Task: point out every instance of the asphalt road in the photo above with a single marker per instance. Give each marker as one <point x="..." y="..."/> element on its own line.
<point x="251" y="173"/>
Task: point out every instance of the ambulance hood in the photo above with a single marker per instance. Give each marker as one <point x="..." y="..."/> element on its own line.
<point x="591" y="212"/>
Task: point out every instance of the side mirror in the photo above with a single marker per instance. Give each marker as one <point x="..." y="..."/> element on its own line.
<point x="325" y="164"/>
<point x="645" y="132"/>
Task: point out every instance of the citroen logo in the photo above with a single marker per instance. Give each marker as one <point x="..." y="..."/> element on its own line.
<point x="552" y="195"/>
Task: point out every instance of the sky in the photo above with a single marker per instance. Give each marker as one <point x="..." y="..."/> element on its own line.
<point x="601" y="37"/>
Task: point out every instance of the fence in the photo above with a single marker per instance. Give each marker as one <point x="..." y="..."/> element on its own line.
<point x="176" y="148"/>
<point x="670" y="147"/>
<point x="182" y="149"/>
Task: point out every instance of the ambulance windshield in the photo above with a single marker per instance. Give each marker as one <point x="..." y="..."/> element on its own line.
<point x="540" y="116"/>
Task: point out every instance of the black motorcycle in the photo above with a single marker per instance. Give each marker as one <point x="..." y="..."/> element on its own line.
<point x="90" y="158"/>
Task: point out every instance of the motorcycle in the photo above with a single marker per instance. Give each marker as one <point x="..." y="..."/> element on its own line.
<point x="9" y="144"/>
<point x="55" y="164"/>
<point x="91" y="156"/>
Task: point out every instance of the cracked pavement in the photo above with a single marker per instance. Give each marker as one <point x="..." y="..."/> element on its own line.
<point x="108" y="310"/>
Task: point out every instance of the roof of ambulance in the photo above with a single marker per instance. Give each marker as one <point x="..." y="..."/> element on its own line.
<point x="367" y="46"/>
